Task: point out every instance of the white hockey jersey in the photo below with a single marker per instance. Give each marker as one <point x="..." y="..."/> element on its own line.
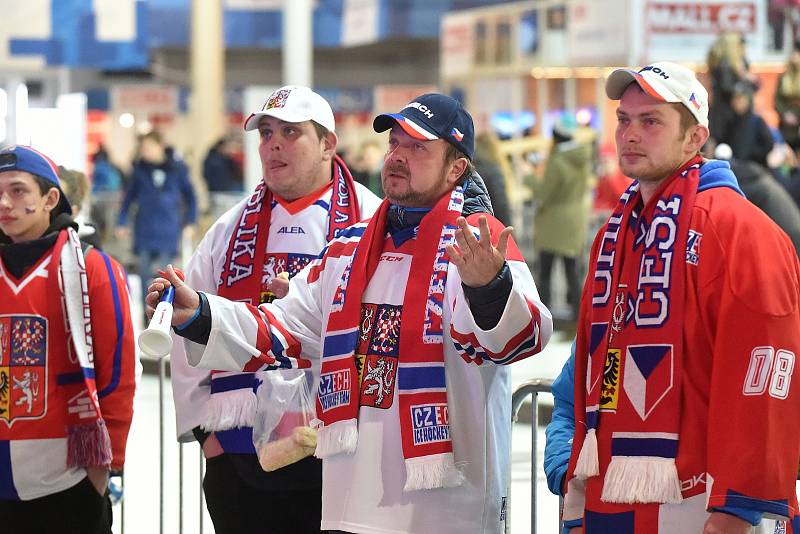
<point x="297" y="234"/>
<point x="363" y="492"/>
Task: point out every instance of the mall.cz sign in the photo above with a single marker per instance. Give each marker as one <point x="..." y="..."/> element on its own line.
<point x="706" y="18"/>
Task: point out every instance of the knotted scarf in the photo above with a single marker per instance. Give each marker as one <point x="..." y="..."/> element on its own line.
<point x="422" y="392"/>
<point x="88" y="441"/>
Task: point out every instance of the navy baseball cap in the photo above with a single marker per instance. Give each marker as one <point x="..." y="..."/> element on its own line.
<point x="433" y="116"/>
<point x="27" y="159"/>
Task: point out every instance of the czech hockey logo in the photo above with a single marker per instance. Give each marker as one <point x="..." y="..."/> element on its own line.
<point x="431" y="423"/>
<point x="23" y="367"/>
<point x="377" y="353"/>
<point x="334" y="389"/>
<point x="277" y="99"/>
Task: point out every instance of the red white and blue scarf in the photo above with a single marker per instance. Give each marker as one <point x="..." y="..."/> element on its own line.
<point x="630" y="343"/>
<point x="421" y="373"/>
<point x="233" y="399"/>
<point x="88" y="441"/>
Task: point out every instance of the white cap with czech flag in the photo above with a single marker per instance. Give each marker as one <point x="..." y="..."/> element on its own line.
<point x="665" y="81"/>
<point x="294" y="103"/>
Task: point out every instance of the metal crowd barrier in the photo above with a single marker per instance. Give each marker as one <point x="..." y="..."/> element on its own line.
<point x="531" y="388"/>
<point x="162" y="367"/>
<point x="162" y="373"/>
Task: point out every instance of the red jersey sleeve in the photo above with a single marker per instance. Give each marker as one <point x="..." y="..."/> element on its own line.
<point x="114" y="350"/>
<point x="752" y="308"/>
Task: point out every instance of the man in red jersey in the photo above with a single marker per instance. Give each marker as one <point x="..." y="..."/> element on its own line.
<point x="688" y="331"/>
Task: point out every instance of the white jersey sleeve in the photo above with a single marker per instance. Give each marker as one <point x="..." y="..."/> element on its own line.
<point x="191" y="386"/>
<point x="245" y="337"/>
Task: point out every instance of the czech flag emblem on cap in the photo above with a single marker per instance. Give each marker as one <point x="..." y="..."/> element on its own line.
<point x="458" y="135"/>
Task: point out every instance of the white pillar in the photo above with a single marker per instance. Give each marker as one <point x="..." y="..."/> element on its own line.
<point x="207" y="101"/>
<point x="298" y="42"/>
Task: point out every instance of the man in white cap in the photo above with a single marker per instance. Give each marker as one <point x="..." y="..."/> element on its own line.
<point x="688" y="330"/>
<point x="306" y="198"/>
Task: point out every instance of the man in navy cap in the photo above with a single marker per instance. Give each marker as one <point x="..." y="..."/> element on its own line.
<point x="66" y="359"/>
<point x="408" y="320"/>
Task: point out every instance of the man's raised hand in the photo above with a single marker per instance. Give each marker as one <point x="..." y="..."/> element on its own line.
<point x="477" y="260"/>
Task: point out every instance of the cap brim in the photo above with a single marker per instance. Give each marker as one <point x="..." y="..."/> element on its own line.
<point x="620" y="79"/>
<point x="387" y="120"/>
<point x="251" y="123"/>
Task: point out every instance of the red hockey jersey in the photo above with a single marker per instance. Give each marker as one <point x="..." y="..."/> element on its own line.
<point x="38" y="383"/>
<point x="739" y="440"/>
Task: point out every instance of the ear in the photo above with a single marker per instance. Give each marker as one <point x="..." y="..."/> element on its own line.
<point x="51" y="199"/>
<point x="329" y="143"/>
<point x="696" y="137"/>
<point x="457" y="168"/>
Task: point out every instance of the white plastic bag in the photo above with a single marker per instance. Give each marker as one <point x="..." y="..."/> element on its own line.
<point x="285" y="427"/>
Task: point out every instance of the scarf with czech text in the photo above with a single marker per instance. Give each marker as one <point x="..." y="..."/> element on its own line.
<point x="422" y="391"/>
<point x="233" y="399"/>
<point x="630" y="344"/>
<point x="88" y="441"/>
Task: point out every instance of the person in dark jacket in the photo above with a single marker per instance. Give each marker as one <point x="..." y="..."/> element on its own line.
<point x="160" y="188"/>
<point x="746" y="132"/>
<point x="486" y="155"/>
<point x="728" y="66"/>
<point x="787" y="99"/>
<point x="763" y="190"/>
<point x="221" y="171"/>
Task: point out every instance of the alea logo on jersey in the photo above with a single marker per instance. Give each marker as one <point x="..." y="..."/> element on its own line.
<point x="23" y="367"/>
<point x="291" y="230"/>
<point x="431" y="423"/>
<point x="334" y="389"/>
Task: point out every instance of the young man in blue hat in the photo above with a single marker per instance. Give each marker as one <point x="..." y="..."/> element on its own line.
<point x="407" y="321"/>
<point x="66" y="359"/>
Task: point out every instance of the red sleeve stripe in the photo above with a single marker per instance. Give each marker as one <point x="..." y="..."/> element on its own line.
<point x="337" y="249"/>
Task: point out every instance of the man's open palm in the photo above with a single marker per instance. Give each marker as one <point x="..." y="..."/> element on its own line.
<point x="477" y="260"/>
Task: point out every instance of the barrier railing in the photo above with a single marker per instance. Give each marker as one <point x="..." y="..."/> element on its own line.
<point x="120" y="518"/>
<point x="531" y="388"/>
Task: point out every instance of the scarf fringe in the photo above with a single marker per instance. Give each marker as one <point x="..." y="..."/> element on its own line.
<point x="588" y="464"/>
<point x="232" y="409"/>
<point x="431" y="472"/>
<point x="89" y="445"/>
<point x="636" y="479"/>
<point x="338" y="437"/>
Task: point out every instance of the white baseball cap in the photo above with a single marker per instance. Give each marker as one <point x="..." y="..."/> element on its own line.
<point x="294" y="103"/>
<point x="666" y="81"/>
